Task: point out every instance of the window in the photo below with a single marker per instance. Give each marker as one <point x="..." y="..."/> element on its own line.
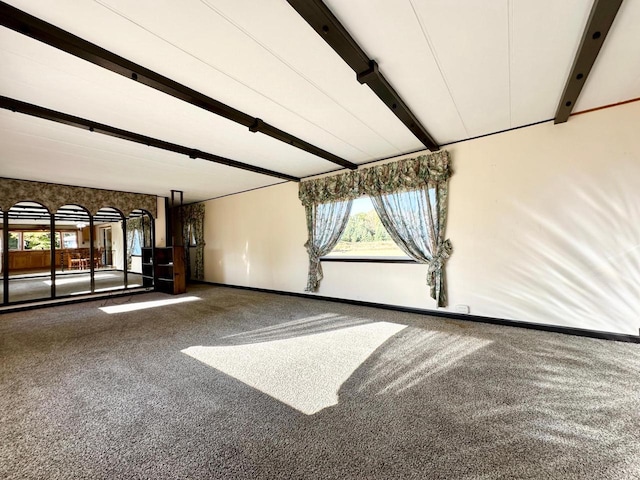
<point x="36" y="240"/>
<point x="69" y="239"/>
<point x="136" y="248"/>
<point x="365" y="236"/>
<point x="191" y="235"/>
<point x="41" y="240"/>
<point x="14" y="241"/>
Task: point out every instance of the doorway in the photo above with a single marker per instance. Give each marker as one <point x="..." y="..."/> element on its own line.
<point x="106" y="245"/>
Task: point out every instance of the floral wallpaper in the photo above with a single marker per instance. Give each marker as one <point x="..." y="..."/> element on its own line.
<point x="53" y="196"/>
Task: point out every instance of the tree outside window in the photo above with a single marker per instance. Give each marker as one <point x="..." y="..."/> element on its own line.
<point x="36" y="240"/>
<point x="365" y="236"/>
<point x="14" y="241"/>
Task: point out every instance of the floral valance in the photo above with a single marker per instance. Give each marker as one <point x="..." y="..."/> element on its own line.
<point x="53" y="196"/>
<point x="403" y="175"/>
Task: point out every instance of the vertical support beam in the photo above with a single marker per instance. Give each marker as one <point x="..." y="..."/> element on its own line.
<point x="167" y="223"/>
<point x="52" y="222"/>
<point x="5" y="256"/>
<point x="91" y="256"/>
<point x="124" y="252"/>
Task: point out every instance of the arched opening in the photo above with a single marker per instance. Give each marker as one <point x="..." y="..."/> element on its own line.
<point x="110" y="242"/>
<point x="139" y="230"/>
<point x="31" y="252"/>
<point x="73" y="251"/>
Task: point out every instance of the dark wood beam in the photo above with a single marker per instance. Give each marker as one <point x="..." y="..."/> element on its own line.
<point x="600" y="20"/>
<point x="59" y="117"/>
<point x="325" y="23"/>
<point x="42" y="31"/>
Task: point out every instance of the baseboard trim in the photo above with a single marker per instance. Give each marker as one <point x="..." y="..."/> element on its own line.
<point x="580" y="332"/>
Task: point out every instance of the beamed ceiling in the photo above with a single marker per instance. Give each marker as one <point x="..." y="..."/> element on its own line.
<point x="215" y="97"/>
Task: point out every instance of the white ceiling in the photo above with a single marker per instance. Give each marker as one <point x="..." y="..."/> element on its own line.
<point x="465" y="68"/>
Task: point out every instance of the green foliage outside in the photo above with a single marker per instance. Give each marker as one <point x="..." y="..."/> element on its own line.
<point x="14" y="241"/>
<point x="365" y="236"/>
<point x="37" y="240"/>
<point x="365" y="227"/>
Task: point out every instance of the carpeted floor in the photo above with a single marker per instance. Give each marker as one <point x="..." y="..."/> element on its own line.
<point x="234" y="384"/>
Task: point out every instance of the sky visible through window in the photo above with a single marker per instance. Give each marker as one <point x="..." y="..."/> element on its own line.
<point x="364" y="236"/>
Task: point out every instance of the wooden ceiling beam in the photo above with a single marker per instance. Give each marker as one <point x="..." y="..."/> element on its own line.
<point x="26" y="24"/>
<point x="603" y="13"/>
<point x="325" y="23"/>
<point x="78" y="122"/>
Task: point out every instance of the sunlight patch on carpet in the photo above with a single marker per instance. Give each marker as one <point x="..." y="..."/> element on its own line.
<point x="416" y="356"/>
<point x="304" y="372"/>
<point x="130" y="307"/>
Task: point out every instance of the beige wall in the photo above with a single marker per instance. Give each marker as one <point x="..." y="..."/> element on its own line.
<point x="544" y="221"/>
<point x="160" y="225"/>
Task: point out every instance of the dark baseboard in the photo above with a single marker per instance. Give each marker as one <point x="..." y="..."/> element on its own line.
<point x="581" y="332"/>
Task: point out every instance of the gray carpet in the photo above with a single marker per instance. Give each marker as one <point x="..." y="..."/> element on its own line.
<point x="246" y="385"/>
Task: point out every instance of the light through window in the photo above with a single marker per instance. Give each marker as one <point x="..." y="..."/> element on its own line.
<point x="365" y="236"/>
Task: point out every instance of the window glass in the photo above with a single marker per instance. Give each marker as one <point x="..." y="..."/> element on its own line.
<point x="136" y="249"/>
<point x="191" y="235"/>
<point x="14" y="241"/>
<point x="365" y="236"/>
<point x="36" y="240"/>
<point x="70" y="239"/>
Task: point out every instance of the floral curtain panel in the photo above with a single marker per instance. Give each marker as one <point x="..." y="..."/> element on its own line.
<point x="133" y="224"/>
<point x="325" y="224"/>
<point x="193" y="236"/>
<point x="416" y="220"/>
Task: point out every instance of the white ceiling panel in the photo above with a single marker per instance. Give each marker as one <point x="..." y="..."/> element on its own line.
<point x="541" y="59"/>
<point x="37" y="149"/>
<point x="464" y="67"/>
<point x="615" y="76"/>
<point x="42" y="75"/>
<point x="200" y="45"/>
<point x="469" y="39"/>
<point x="390" y="33"/>
<point x="455" y="51"/>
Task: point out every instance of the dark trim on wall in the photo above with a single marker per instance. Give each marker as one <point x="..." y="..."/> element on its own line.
<point x="45" y="32"/>
<point x="329" y="28"/>
<point x="603" y="107"/>
<point x="417" y="152"/>
<point x="85" y="124"/>
<point x="580" y="332"/>
<point x="368" y="260"/>
<point x="603" y="13"/>
<point x="235" y="193"/>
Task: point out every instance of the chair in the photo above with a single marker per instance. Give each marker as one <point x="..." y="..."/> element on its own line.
<point x="74" y="260"/>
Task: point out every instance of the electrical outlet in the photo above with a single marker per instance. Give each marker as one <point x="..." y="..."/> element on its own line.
<point x="462" y="308"/>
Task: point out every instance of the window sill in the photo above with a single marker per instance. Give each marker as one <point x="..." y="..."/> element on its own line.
<point x="368" y="260"/>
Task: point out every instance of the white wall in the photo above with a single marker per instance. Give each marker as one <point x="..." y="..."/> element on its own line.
<point x="117" y="245"/>
<point x="544" y="221"/>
